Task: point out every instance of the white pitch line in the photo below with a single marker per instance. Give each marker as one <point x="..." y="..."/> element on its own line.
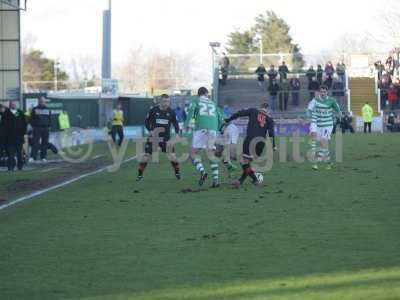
<point x="57" y="186"/>
<point x="49" y="169"/>
<point x="97" y="156"/>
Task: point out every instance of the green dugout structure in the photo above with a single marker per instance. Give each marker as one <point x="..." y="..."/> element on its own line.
<point x="92" y="110"/>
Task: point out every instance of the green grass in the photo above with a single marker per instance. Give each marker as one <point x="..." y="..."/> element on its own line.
<point x="307" y="235"/>
<point x="36" y="175"/>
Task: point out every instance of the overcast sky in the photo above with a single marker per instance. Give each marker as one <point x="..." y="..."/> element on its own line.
<point x="74" y="28"/>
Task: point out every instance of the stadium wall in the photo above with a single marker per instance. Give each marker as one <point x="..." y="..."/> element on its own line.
<point x="10" y="49"/>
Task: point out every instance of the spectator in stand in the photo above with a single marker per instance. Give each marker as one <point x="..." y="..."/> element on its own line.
<point x="328" y="82"/>
<point x="367" y="114"/>
<point x="261" y="71"/>
<point x="379" y="68"/>
<point x="223" y="75"/>
<point x="2" y="138"/>
<point x="15" y="129"/>
<point x="283" y="71"/>
<point x="310" y="74"/>
<point x="329" y="70"/>
<point x="341" y="71"/>
<point x="392" y="97"/>
<point x="224" y="64"/>
<point x="386" y="77"/>
<point x="295" y="88"/>
<point x="284" y="95"/>
<point x="41" y="121"/>
<point x="313" y="87"/>
<point x="272" y="74"/>
<point x="320" y="74"/>
<point x="384" y="87"/>
<point x="338" y="91"/>
<point x="180" y="117"/>
<point x="389" y="65"/>
<point x="396" y="84"/>
<point x="274" y="90"/>
<point x="347" y="123"/>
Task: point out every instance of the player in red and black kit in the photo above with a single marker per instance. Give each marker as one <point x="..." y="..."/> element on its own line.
<point x="259" y="125"/>
<point x="158" y="122"/>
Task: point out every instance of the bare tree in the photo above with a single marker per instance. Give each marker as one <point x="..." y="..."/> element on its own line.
<point x="355" y="43"/>
<point x="85" y="70"/>
<point x="132" y="75"/>
<point x="153" y="70"/>
<point x="28" y="42"/>
<point x="387" y="24"/>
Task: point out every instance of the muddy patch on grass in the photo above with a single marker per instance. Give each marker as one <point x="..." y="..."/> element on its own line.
<point x="66" y="172"/>
<point x="189" y="190"/>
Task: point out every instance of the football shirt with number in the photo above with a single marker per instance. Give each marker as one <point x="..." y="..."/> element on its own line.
<point x="205" y="113"/>
<point x="322" y="111"/>
<point x="259" y="125"/>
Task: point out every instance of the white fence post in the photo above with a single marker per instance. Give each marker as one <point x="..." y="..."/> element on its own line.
<point x="379" y="101"/>
<point x="349" y="101"/>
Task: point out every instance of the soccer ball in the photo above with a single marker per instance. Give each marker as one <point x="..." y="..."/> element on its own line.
<point x="260" y="177"/>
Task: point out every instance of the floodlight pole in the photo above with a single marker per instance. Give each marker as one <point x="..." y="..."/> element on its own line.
<point x="106" y="59"/>
<point x="260" y="45"/>
<point x="109" y="8"/>
<point x="214" y="45"/>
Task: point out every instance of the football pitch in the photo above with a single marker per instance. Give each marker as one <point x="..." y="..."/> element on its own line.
<point x="304" y="235"/>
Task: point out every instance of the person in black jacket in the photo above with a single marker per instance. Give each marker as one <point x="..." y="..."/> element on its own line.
<point x="2" y="138"/>
<point x="158" y="122"/>
<point x="313" y="87"/>
<point x="320" y="74"/>
<point x="347" y="123"/>
<point x="261" y="71"/>
<point x="295" y="89"/>
<point x="338" y="92"/>
<point x="15" y="129"/>
<point x="259" y="125"/>
<point x="310" y="74"/>
<point x="272" y="74"/>
<point x="274" y="89"/>
<point x="283" y="71"/>
<point x="41" y="122"/>
<point x="50" y="146"/>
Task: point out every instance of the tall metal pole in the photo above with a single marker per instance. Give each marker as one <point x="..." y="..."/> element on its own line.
<point x="106" y="60"/>
<point x="214" y="73"/>
<point x="20" y="75"/>
<point x="213" y="62"/>
<point x="109" y="9"/>
<point x="261" y="50"/>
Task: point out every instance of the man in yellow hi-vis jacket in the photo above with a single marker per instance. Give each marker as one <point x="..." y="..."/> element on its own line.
<point x="63" y="120"/>
<point x="367" y="114"/>
<point x="117" y="125"/>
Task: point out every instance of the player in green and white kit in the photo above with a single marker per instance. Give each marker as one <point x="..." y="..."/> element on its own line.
<point x="208" y="119"/>
<point x="322" y="109"/>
